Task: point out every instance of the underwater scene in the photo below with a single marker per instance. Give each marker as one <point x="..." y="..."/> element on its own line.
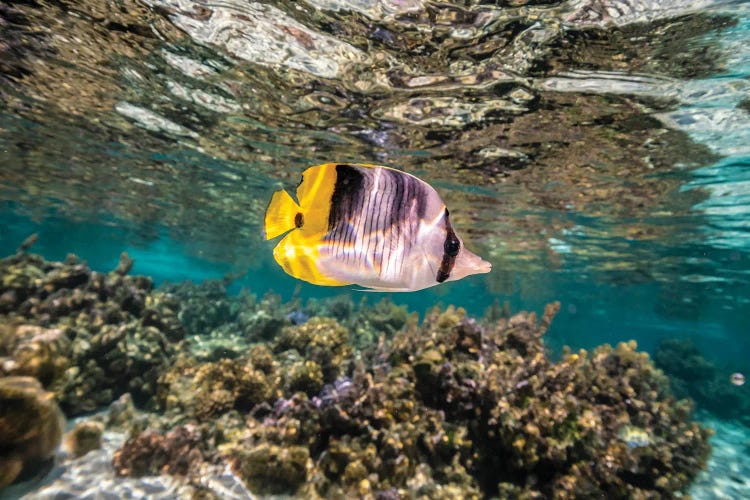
<point x="382" y="249"/>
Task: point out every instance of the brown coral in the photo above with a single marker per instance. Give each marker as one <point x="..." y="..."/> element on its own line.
<point x="178" y="452"/>
<point x="34" y="351"/>
<point x="551" y="429"/>
<point x="321" y="340"/>
<point x="272" y="469"/>
<point x="31" y="426"/>
<point x="88" y="336"/>
<point x="454" y="407"/>
<point x="210" y="389"/>
<point x="86" y="436"/>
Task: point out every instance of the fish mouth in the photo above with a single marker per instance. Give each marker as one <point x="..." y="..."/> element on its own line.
<point x="475" y="264"/>
<point x="483" y="267"/>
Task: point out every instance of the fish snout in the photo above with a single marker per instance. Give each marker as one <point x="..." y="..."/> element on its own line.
<point x="471" y="263"/>
<point x="482" y="267"/>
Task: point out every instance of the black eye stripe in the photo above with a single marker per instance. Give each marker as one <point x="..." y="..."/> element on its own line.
<point x="451" y="248"/>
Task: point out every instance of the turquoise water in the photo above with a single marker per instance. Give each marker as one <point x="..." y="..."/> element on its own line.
<point x="595" y="152"/>
<point x="598" y="307"/>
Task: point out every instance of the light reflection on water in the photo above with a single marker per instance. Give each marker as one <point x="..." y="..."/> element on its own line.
<point x="577" y="143"/>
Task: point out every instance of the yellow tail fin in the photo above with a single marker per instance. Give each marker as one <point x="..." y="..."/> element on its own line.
<point x="280" y="214"/>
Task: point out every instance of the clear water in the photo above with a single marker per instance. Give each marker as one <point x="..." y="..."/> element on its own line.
<point x="597" y="153"/>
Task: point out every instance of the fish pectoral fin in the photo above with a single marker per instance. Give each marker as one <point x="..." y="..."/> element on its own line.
<point x="282" y="215"/>
<point x="429" y="262"/>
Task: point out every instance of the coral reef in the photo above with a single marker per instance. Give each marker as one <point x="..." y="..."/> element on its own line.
<point x="451" y="407"/>
<point x="207" y="390"/>
<point x="365" y="322"/>
<point x="173" y="461"/>
<point x="271" y="469"/>
<point x="710" y="386"/>
<point x="454" y="408"/>
<point x="87" y="336"/>
<point x="219" y="325"/>
<point x="302" y="359"/>
<point x="321" y="343"/>
<point x="384" y="318"/>
<point x="31" y="426"/>
<point x="34" y="351"/>
<point x="344" y="400"/>
<point x="203" y="307"/>
<point x="263" y="320"/>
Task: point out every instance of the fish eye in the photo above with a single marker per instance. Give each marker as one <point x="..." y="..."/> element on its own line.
<point x="452" y="246"/>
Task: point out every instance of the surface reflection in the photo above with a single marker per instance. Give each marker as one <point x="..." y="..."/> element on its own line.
<point x="563" y="133"/>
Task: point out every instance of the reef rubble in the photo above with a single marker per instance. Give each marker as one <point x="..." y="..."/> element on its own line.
<point x="339" y="400"/>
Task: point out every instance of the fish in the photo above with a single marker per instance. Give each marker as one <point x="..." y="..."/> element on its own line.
<point x="367" y="225"/>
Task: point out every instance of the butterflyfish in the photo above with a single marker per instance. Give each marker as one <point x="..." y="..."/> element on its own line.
<point x="367" y="225"/>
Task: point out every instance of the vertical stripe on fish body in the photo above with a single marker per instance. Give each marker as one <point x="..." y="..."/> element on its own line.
<point x="367" y="225"/>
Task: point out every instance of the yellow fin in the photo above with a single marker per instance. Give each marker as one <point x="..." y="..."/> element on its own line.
<point x="315" y="179"/>
<point x="314" y="194"/>
<point x="280" y="214"/>
<point x="298" y="255"/>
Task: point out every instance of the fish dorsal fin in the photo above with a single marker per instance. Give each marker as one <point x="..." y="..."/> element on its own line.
<point x="314" y="194"/>
<point x="316" y="180"/>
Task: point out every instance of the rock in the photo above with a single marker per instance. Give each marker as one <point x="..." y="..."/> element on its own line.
<point x="86" y="436"/>
<point x="149" y="453"/>
<point x="31" y="426"/>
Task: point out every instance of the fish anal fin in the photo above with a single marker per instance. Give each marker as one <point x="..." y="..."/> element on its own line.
<point x="379" y="289"/>
<point x="298" y="255"/>
<point x="281" y="214"/>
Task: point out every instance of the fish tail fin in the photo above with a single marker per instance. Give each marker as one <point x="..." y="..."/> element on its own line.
<point x="282" y="215"/>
